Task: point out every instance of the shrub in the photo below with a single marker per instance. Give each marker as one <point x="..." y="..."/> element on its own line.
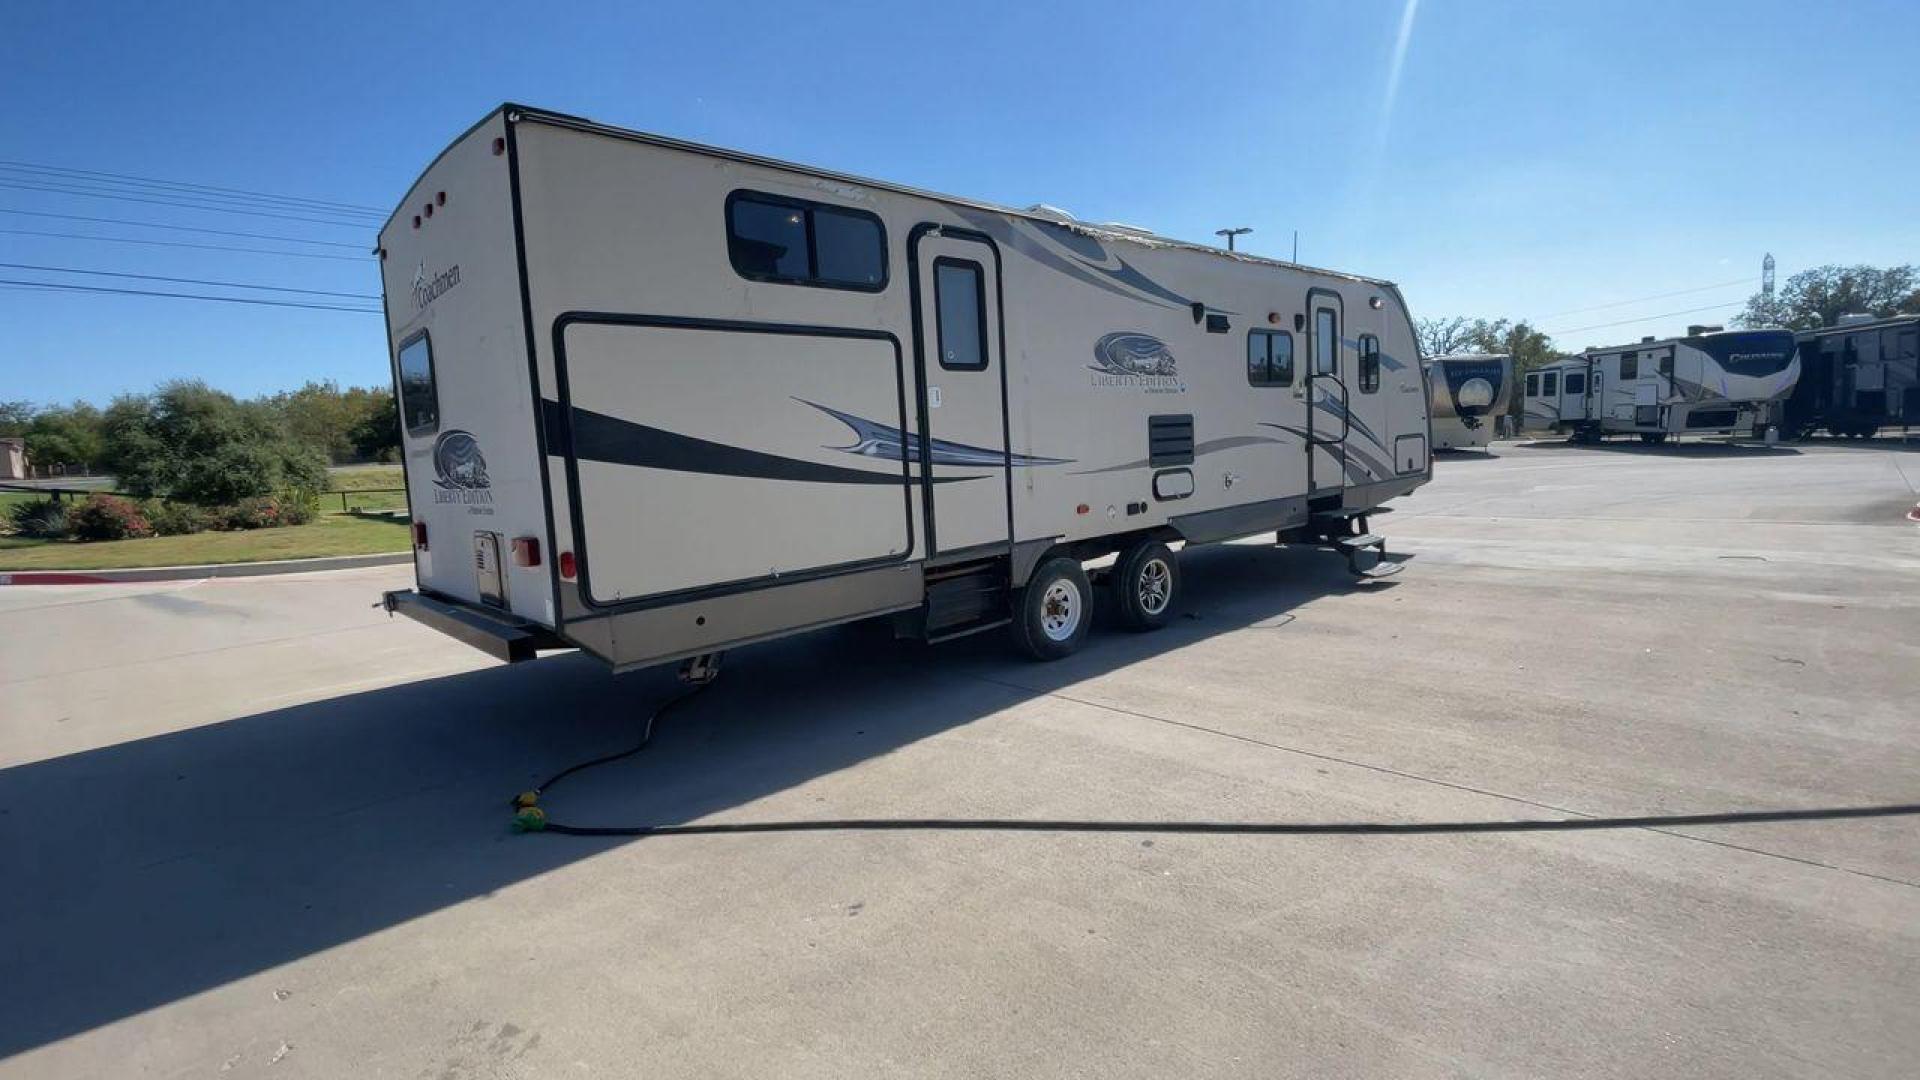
<point x="297" y="507"/>
<point x="108" y="517"/>
<point x="177" y="519"/>
<point x="43" y="519"/>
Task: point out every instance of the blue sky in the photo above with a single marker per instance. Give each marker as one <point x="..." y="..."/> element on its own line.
<point x="1536" y="158"/>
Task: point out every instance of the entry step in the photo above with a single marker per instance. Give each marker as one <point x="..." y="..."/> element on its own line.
<point x="1351" y="543"/>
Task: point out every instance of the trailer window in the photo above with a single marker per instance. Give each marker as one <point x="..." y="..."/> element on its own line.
<point x="1550" y="383"/>
<point x="1269" y="358"/>
<point x="1369" y="364"/>
<point x="1576" y="382"/>
<point x="419" y="399"/>
<point x="774" y="238"/>
<point x="1326" y="339"/>
<point x="1533" y="384"/>
<point x="1666" y="364"/>
<point x="961" y="305"/>
<point x="1630" y="366"/>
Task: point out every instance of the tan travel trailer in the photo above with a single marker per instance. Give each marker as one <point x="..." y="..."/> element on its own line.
<point x="661" y="399"/>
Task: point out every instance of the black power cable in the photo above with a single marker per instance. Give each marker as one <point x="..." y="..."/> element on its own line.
<point x="529" y="817"/>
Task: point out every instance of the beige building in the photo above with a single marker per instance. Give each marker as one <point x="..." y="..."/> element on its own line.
<point x="13" y="459"/>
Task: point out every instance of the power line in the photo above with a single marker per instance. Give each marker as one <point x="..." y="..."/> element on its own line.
<point x="185" y="205"/>
<point x="209" y="190"/>
<point x="1655" y="296"/>
<point x="1649" y="318"/>
<point x="114" y="187"/>
<point x="182" y="228"/>
<point x="27" y="165"/>
<point x="184" y="281"/>
<point x="180" y="244"/>
<point x="54" y="286"/>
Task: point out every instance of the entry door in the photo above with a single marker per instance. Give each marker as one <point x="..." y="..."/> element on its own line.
<point x="963" y="454"/>
<point x="1327" y="394"/>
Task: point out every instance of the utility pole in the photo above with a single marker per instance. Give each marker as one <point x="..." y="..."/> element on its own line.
<point x="1296" y="246"/>
<point x="1766" y="279"/>
<point x="1230" y="234"/>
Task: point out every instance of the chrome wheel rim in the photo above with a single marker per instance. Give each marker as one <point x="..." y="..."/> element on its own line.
<point x="1154" y="588"/>
<point x="1060" y="608"/>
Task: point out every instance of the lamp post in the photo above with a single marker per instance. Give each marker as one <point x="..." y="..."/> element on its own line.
<point x="1230" y="234"/>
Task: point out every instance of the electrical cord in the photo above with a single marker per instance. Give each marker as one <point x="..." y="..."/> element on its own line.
<point x="529" y="817"/>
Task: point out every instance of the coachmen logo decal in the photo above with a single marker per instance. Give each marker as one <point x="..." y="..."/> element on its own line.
<point x="428" y="289"/>
<point x="460" y="470"/>
<point x="1136" y="361"/>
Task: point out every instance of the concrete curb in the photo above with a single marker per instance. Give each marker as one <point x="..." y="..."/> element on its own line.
<point x="209" y="570"/>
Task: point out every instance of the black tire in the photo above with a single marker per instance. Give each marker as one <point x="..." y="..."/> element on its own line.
<point x="1653" y="438"/>
<point x="1146" y="585"/>
<point x="1056" y="608"/>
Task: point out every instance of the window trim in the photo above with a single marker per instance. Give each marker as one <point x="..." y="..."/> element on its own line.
<point x="1550" y="391"/>
<point x="808" y="207"/>
<point x="1533" y="384"/>
<point x="1333" y="356"/>
<point x="400" y="382"/>
<point x="1267" y="365"/>
<point x="1365" y="355"/>
<point x="979" y="307"/>
<point x="1624" y="358"/>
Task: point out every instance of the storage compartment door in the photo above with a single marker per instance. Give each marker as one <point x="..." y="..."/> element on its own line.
<point x="714" y="456"/>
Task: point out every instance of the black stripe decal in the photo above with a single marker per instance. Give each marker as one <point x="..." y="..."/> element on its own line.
<point x="597" y="437"/>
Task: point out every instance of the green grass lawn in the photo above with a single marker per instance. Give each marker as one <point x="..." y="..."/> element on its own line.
<point x="358" y="483"/>
<point x="332" y="534"/>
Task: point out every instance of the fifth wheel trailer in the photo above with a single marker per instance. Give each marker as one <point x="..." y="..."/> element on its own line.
<point x="661" y="399"/>
<point x="1470" y="391"/>
<point x="1710" y="382"/>
<point x="1857" y="377"/>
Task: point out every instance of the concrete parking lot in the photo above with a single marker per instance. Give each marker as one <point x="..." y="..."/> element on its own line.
<point x="255" y="828"/>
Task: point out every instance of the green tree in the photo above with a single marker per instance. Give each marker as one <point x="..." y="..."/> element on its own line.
<point x="66" y="435"/>
<point x="189" y="442"/>
<point x="16" y="417"/>
<point x="376" y="435"/>
<point x="1818" y="297"/>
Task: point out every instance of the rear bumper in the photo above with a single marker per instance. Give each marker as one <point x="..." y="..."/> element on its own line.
<point x="499" y="636"/>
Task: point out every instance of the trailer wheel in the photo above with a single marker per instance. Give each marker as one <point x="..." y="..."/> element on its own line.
<point x="1146" y="584"/>
<point x="1056" y="608"/>
<point x="1653" y="438"/>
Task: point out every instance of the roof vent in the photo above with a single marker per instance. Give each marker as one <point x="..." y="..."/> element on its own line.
<point x="1648" y="338"/>
<point x="1698" y="328"/>
<point x="1123" y="227"/>
<point x="1054" y="213"/>
<point x="1853" y="317"/>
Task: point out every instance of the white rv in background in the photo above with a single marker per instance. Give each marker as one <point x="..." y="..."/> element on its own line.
<point x="660" y="399"/>
<point x="1710" y="382"/>
<point x="1469" y="392"/>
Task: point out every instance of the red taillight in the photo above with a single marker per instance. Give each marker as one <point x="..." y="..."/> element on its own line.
<point x="526" y="551"/>
<point x="566" y="565"/>
<point x="420" y="535"/>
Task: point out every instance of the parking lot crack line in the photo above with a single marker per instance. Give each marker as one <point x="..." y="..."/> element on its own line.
<point x="1467" y="788"/>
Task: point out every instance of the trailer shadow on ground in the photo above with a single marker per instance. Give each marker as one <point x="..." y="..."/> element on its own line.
<point x="155" y="869"/>
<point x="1713" y="449"/>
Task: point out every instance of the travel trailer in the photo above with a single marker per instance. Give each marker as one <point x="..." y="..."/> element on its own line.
<point x="1468" y="393"/>
<point x="1857" y="377"/>
<point x="1710" y="382"/>
<point x="661" y="399"/>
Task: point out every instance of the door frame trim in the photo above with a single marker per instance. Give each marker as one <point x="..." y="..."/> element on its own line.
<point x="919" y="324"/>
<point x="1337" y="447"/>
